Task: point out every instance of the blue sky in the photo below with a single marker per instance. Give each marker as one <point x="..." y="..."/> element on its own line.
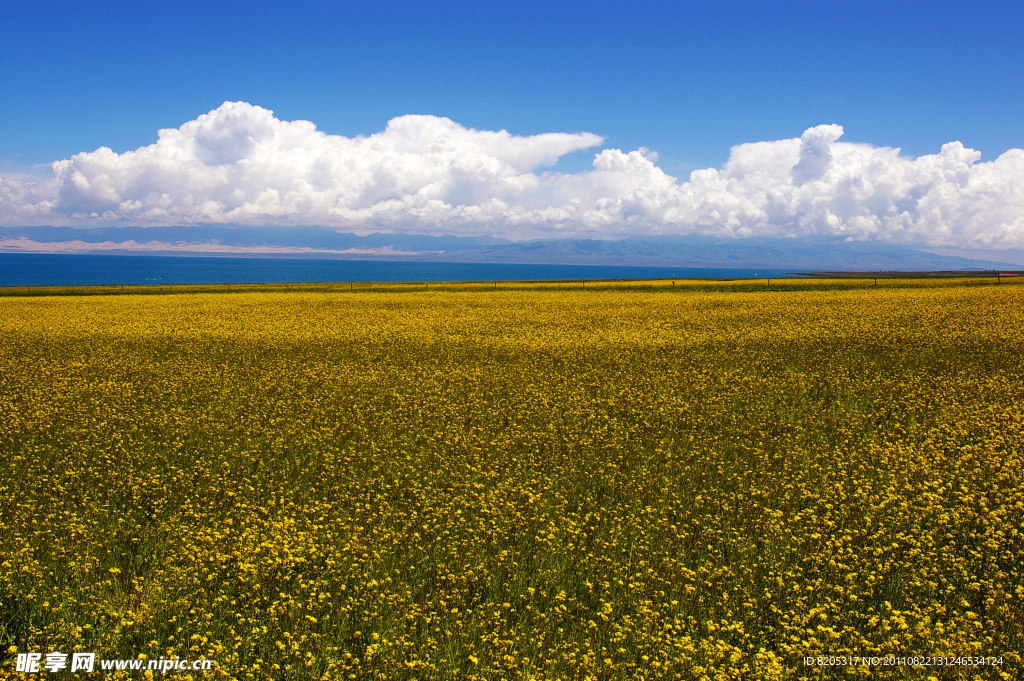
<point x="687" y="79"/>
<point x="670" y="88"/>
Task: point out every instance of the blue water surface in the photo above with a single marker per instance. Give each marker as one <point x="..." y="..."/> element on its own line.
<point x="46" y="269"/>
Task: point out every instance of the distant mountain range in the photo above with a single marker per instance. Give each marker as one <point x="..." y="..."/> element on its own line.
<point x="673" y="251"/>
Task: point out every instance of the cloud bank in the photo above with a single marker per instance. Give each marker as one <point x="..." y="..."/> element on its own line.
<point x="239" y="164"/>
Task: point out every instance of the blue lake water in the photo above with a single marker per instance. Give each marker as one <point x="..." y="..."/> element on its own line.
<point x="32" y="269"/>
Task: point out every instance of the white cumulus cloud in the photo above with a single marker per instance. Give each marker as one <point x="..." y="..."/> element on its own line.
<point x="239" y="164"/>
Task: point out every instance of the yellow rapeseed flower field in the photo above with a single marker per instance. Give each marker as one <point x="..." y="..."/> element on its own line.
<point x="686" y="481"/>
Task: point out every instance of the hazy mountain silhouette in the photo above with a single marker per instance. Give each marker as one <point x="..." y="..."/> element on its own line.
<point x="675" y="251"/>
